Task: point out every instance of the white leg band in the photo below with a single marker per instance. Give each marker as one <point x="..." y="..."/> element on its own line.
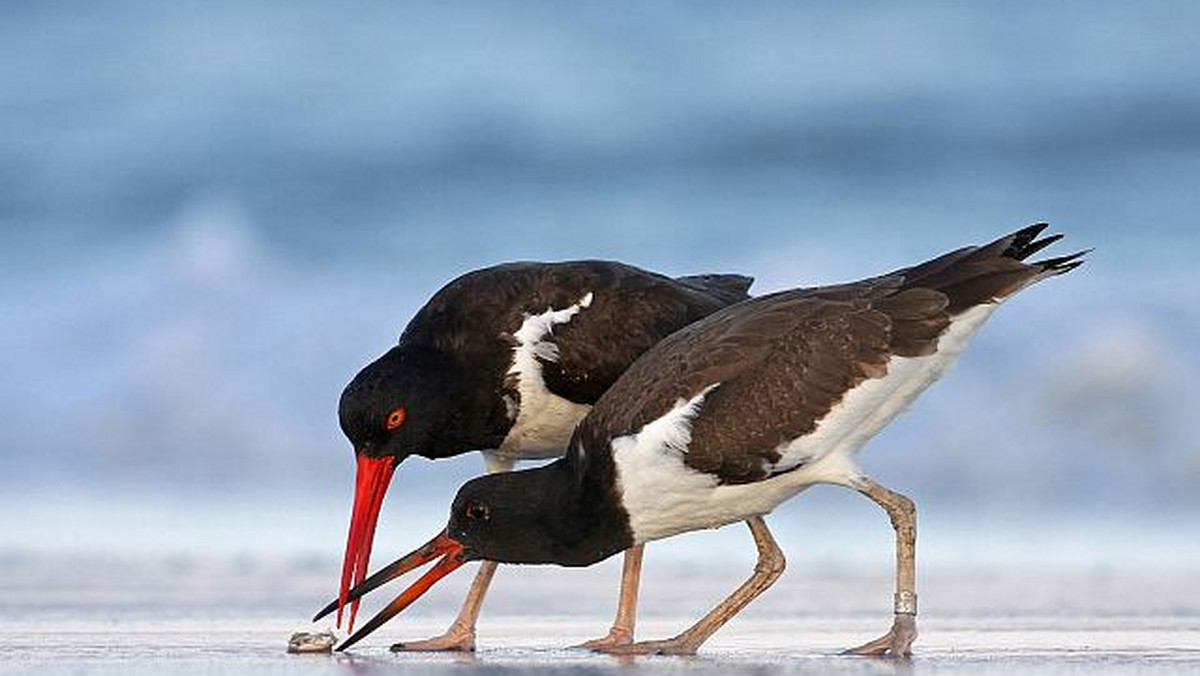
<point x="905" y="603"/>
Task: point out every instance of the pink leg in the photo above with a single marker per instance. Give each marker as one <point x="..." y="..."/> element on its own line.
<point x="768" y="569"/>
<point x="898" y="641"/>
<point x="622" y="628"/>
<point x="460" y="637"/>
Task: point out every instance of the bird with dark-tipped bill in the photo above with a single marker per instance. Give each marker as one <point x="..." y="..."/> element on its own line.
<point x="507" y="360"/>
<point x="734" y="414"/>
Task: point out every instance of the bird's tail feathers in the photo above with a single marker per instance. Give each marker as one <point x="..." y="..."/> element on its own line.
<point x="994" y="271"/>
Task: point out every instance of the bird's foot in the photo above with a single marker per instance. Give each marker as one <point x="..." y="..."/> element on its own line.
<point x="456" y="639"/>
<point x="680" y="645"/>
<point x="896" y="643"/>
<point x="617" y="636"/>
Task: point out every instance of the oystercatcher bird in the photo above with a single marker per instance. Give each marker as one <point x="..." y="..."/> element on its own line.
<point x="731" y="416"/>
<point x="507" y="359"/>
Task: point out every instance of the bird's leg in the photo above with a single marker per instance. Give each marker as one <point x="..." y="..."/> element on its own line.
<point x="622" y="628"/>
<point x="768" y="569"/>
<point x="460" y="637"/>
<point x="898" y="641"/>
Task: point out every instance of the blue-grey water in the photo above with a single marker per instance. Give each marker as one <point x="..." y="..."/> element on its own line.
<point x="212" y="214"/>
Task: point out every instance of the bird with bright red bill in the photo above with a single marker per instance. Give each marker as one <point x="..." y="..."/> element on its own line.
<point x="734" y="414"/>
<point x="507" y="360"/>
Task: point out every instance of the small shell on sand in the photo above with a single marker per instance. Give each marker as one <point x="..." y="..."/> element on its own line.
<point x="302" y="642"/>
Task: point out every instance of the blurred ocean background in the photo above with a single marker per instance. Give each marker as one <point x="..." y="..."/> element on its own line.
<point x="214" y="213"/>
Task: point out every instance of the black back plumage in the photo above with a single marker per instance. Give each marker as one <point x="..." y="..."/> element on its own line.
<point x="452" y="359"/>
<point x="632" y="309"/>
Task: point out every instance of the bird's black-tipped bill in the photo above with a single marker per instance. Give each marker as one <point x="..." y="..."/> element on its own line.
<point x="452" y="557"/>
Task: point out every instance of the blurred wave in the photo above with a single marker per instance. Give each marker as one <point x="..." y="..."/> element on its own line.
<point x="214" y="213"/>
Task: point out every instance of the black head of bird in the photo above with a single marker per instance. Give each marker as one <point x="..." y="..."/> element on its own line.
<point x="399" y="405"/>
<point x="410" y="401"/>
<point x="536" y="516"/>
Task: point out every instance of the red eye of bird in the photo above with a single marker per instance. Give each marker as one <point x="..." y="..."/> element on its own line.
<point x="396" y="418"/>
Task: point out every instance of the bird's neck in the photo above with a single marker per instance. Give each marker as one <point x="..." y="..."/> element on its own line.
<point x="584" y="508"/>
<point x="475" y="422"/>
<point x="476" y="415"/>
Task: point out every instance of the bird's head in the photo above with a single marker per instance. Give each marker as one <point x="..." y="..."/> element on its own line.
<point x="515" y="517"/>
<point x="395" y="407"/>
<point x="539" y="515"/>
<point x="498" y="517"/>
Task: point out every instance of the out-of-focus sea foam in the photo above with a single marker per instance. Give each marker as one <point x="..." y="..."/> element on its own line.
<point x="213" y="216"/>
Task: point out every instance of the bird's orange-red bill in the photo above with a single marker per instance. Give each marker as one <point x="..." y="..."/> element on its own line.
<point x="370" y="485"/>
<point x="441" y="545"/>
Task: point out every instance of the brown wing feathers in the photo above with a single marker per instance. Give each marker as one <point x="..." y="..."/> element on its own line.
<point x="783" y="391"/>
<point x="785" y="360"/>
<point x="915" y="320"/>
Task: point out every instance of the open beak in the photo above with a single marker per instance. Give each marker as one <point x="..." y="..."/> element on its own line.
<point x="441" y="545"/>
<point x="370" y="485"/>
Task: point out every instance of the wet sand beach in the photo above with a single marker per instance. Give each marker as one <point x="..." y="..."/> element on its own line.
<point x="222" y="618"/>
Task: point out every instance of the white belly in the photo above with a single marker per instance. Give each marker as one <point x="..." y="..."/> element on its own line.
<point x="665" y="497"/>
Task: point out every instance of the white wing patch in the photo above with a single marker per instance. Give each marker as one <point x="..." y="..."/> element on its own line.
<point x="531" y="337"/>
<point x="671" y="433"/>
<point x="544" y="421"/>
